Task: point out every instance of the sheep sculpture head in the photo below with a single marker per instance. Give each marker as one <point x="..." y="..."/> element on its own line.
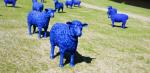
<point x="109" y="7"/>
<point x="49" y="12"/>
<point x="76" y="27"/>
<point x="111" y="11"/>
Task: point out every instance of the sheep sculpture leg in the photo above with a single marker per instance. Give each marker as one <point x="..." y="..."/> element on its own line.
<point x="61" y="58"/>
<point x="6" y="4"/>
<point x="45" y="32"/>
<point x="29" y="29"/>
<point x="70" y="6"/>
<point x="34" y="28"/>
<point x="62" y="9"/>
<point x="113" y="25"/>
<point x="59" y="10"/>
<point x="79" y="5"/>
<point x="123" y="24"/>
<point x="14" y="4"/>
<point x="52" y="51"/>
<point x="72" y="60"/>
<point x="67" y="6"/>
<point x="40" y="30"/>
<point x="52" y="46"/>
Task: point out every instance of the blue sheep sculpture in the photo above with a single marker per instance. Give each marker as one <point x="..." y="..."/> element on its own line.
<point x="116" y="17"/>
<point x="58" y="5"/>
<point x="76" y="2"/>
<point x="37" y="6"/>
<point x="13" y="2"/>
<point x="65" y="36"/>
<point x="40" y="20"/>
<point x="69" y="3"/>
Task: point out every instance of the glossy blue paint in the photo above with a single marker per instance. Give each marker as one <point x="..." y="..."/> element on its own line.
<point x="37" y="6"/>
<point x="58" y="5"/>
<point x="69" y="3"/>
<point x="40" y="20"/>
<point x="65" y="36"/>
<point x="77" y="2"/>
<point x="13" y="2"/>
<point x="116" y="17"/>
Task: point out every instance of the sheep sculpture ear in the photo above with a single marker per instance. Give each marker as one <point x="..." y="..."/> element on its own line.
<point x="85" y="25"/>
<point x="46" y="10"/>
<point x="109" y="7"/>
<point x="69" y="22"/>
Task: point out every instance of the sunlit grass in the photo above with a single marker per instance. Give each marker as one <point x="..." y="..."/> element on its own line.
<point x="110" y="50"/>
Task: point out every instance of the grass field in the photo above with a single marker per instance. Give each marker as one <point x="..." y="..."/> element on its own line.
<point x="101" y="49"/>
<point x="121" y="6"/>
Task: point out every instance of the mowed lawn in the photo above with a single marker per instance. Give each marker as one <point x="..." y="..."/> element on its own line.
<point x="101" y="49"/>
<point x="130" y="6"/>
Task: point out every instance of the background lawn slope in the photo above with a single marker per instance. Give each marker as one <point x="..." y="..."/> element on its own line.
<point x="140" y="7"/>
<point x="101" y="49"/>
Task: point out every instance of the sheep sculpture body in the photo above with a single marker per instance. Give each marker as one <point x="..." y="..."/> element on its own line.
<point x="65" y="36"/>
<point x="116" y="17"/>
<point x="13" y="2"/>
<point x="76" y="2"/>
<point x="58" y="5"/>
<point x="69" y="3"/>
<point x="40" y="20"/>
<point x="37" y="6"/>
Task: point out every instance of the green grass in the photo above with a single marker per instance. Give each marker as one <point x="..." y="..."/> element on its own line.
<point x="114" y="50"/>
<point x="120" y="6"/>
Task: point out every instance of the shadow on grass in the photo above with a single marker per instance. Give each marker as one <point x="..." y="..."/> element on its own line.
<point x="77" y="6"/>
<point x="138" y="3"/>
<point x="74" y="7"/>
<point x="62" y="12"/>
<point x="15" y="6"/>
<point x="118" y="26"/>
<point x="78" y="58"/>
